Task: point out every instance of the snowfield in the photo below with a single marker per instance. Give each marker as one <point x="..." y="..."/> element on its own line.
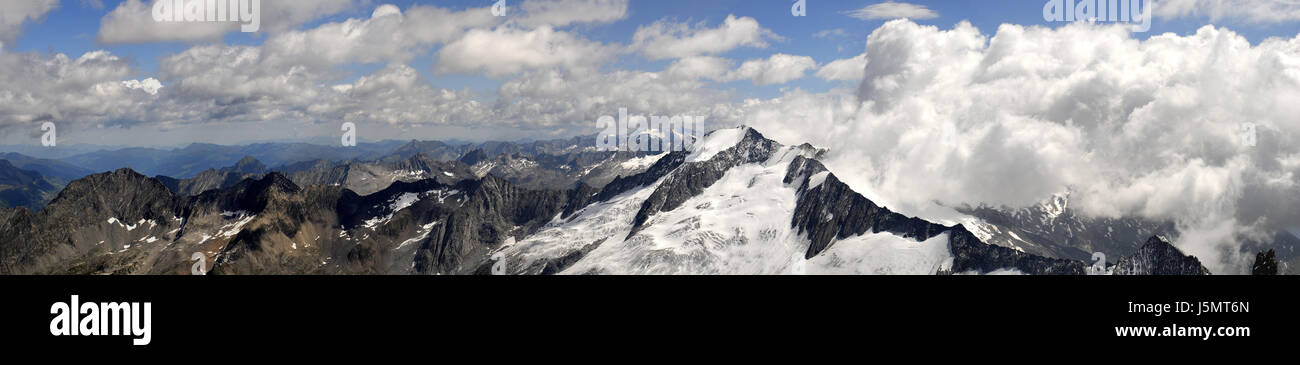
<point x="739" y="225"/>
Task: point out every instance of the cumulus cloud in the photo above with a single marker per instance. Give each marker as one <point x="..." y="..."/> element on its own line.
<point x="398" y="94"/>
<point x="132" y="21"/>
<point x="570" y="102"/>
<point x="88" y="89"/>
<point x="780" y="68"/>
<point x="149" y="85"/>
<point x="847" y="69"/>
<point x="664" y="39"/>
<point x="16" y="14"/>
<point x="560" y="13"/>
<point x="245" y="84"/>
<point x="387" y="35"/>
<point x="892" y="10"/>
<point x="700" y="67"/>
<point x="1151" y="128"/>
<point x="505" y="50"/>
<point x="1251" y="11"/>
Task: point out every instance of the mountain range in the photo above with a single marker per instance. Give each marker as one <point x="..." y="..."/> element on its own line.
<point x="736" y="203"/>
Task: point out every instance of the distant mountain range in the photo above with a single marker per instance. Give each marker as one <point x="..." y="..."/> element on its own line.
<point x="737" y="203"/>
<point x="24" y="188"/>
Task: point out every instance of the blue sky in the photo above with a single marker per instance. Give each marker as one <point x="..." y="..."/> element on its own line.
<point x="828" y="33"/>
<point x="72" y="28"/>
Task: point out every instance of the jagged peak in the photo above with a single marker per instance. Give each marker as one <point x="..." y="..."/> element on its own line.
<point x="148" y="195"/>
<point x="279" y="181"/>
<point x="274" y="181"/>
<point x="1159" y="240"/>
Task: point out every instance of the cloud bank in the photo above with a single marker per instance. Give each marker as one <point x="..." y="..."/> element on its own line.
<point x="1152" y="128"/>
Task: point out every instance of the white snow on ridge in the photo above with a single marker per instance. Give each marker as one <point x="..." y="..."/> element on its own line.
<point x="715" y="142"/>
<point x="883" y="254"/>
<point x="817" y="179"/>
<point x="643" y="162"/>
<point x="132" y="227"/>
<point x="609" y="220"/>
<point x="403" y="201"/>
<point x="740" y="225"/>
<point x="424" y="233"/>
<point x="230" y="230"/>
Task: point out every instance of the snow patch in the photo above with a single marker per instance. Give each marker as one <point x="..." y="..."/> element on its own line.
<point x="643" y="162"/>
<point x="818" y="179"/>
<point x="715" y="142"/>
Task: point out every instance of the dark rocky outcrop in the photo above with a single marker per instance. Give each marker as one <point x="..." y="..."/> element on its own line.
<point x="1265" y="263"/>
<point x="1158" y="257"/>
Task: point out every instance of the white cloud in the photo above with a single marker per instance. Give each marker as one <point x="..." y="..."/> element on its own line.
<point x="570" y="102"/>
<point x="559" y="13"/>
<point x="505" y="50"/>
<point x="85" y="90"/>
<point x="892" y="10"/>
<point x="700" y="67"/>
<point x="149" y="85"/>
<point x="1251" y="11"/>
<point x="847" y="69"/>
<point x="387" y="35"/>
<point x="1131" y="127"/>
<point x="15" y="14"/>
<point x="780" y="68"/>
<point x="132" y="21"/>
<point x="664" y="39"/>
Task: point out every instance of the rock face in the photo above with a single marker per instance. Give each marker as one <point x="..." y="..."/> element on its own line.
<point x="82" y="229"/>
<point x="1158" y="257"/>
<point x="1265" y="264"/>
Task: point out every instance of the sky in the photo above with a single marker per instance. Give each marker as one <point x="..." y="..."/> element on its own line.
<point x="591" y="36"/>
<point x="922" y="105"/>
